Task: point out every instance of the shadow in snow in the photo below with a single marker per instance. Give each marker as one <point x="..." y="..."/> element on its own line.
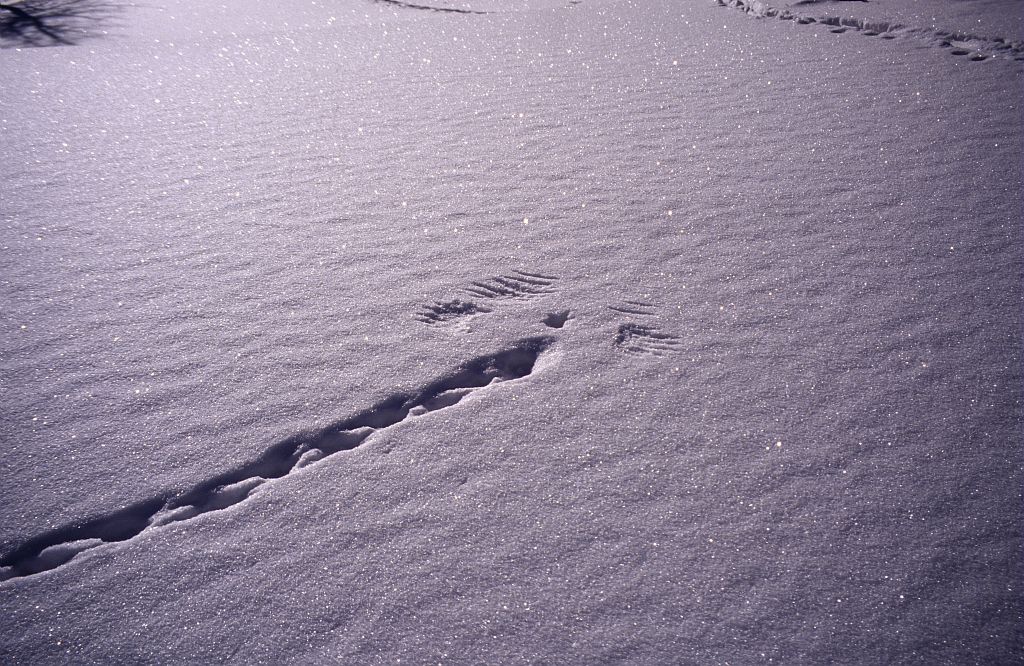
<point x="51" y="22"/>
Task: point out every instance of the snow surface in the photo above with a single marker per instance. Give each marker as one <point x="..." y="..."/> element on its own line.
<point x="338" y="331"/>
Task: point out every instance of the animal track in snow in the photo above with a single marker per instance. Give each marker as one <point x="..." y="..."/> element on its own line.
<point x="557" y="319"/>
<point x="430" y="8"/>
<point x="438" y="313"/>
<point x="979" y="48"/>
<point x="515" y="285"/>
<point x="641" y="308"/>
<point x="57" y="547"/>
<point x="642" y="339"/>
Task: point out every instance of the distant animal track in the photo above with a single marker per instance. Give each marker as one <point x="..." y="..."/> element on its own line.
<point x="515" y="285"/>
<point x="641" y="308"/>
<point x="641" y="339"/>
<point x="815" y="2"/>
<point x="979" y="48"/>
<point x="430" y="8"/>
<point x="437" y="313"/>
<point x="57" y="547"/>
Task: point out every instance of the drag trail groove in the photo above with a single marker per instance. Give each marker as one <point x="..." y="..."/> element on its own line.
<point x="54" y="548"/>
<point x="977" y="47"/>
<point x="642" y="339"/>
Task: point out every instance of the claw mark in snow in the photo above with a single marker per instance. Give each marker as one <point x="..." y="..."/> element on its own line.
<point x="56" y="547"/>
<point x="641" y="339"/>
<point x="642" y="308"/>
<point x="445" y="312"/>
<point x="517" y="285"/>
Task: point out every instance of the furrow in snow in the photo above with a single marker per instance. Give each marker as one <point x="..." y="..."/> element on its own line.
<point x="59" y="546"/>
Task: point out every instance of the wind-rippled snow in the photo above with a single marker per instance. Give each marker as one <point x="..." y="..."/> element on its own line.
<point x="779" y="422"/>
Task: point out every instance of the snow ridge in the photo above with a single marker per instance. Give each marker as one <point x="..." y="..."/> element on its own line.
<point x="958" y="43"/>
<point x="57" y="547"/>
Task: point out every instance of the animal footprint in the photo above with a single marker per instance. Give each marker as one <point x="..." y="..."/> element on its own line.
<point x="641" y="339"/>
<point x="438" y="313"/>
<point x="517" y="285"/>
<point x="557" y="319"/>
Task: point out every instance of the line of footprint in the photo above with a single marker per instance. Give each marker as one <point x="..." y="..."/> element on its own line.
<point x="959" y="44"/>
